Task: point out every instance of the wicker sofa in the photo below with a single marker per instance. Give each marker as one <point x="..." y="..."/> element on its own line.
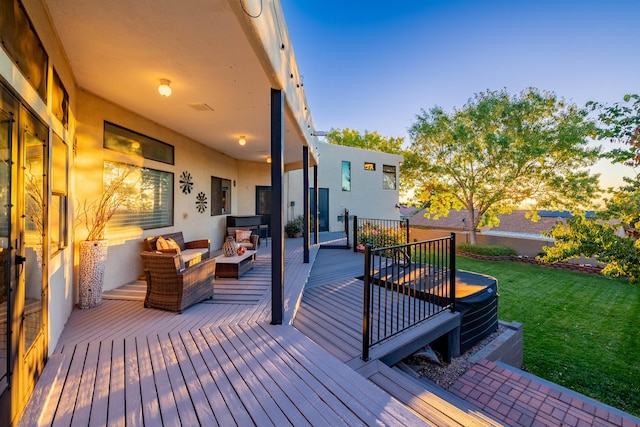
<point x="171" y="286"/>
<point x="192" y="252"/>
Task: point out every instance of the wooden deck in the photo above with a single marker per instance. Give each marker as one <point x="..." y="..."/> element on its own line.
<point x="217" y="363"/>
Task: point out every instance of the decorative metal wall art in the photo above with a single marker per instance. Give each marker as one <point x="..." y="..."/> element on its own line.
<point x="201" y="202"/>
<point x="186" y="183"/>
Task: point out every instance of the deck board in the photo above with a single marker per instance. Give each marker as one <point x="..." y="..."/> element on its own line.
<point x="300" y="392"/>
<point x="100" y="399"/>
<point x="71" y="386"/>
<point x="132" y="395"/>
<point x="210" y="390"/>
<point x="184" y="404"/>
<point x="116" y="407"/>
<point x="225" y="364"/>
<point x="149" y="397"/>
<point x="83" y="400"/>
<point x="166" y="399"/>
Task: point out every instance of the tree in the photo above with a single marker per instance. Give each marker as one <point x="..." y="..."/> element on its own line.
<point x="369" y="141"/>
<point x="597" y="236"/>
<point x="499" y="152"/>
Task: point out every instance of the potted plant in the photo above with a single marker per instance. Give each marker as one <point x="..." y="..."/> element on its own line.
<point x="294" y="227"/>
<point x="93" y="250"/>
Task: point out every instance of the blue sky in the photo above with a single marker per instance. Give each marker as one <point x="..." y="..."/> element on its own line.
<point x="373" y="65"/>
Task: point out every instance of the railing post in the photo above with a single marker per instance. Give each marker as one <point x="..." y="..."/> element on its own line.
<point x="406" y="225"/>
<point x="452" y="271"/>
<point x="346" y="226"/>
<point x="355" y="233"/>
<point x="367" y="303"/>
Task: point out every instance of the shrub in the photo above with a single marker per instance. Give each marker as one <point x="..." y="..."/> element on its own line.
<point x="487" y="250"/>
<point x="379" y="236"/>
<point x="294" y="226"/>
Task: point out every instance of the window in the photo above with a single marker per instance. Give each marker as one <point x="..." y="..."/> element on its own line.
<point x="149" y="197"/>
<point x="368" y="166"/>
<point x="220" y="196"/>
<point x="388" y="177"/>
<point x="133" y="143"/>
<point x="59" y="100"/>
<point x="58" y="233"/>
<point x="346" y="176"/>
<point x="22" y="44"/>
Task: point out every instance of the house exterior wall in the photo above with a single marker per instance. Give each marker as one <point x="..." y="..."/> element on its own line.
<point x="367" y="198"/>
<point x="60" y="263"/>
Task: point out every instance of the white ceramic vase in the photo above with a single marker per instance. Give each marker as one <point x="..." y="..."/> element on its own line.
<point x="93" y="261"/>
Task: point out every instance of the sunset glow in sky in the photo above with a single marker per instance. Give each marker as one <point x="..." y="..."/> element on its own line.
<point x="373" y="65"/>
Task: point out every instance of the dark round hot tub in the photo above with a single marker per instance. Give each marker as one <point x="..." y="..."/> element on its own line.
<point x="477" y="302"/>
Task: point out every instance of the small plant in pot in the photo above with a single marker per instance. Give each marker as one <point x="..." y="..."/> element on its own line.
<point x="294" y="227"/>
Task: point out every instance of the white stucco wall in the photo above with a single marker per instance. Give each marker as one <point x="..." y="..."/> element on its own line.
<point x="123" y="260"/>
<point x="367" y="198"/>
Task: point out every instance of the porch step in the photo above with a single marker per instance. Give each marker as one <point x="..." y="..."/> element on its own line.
<point x="425" y="398"/>
<point x="135" y="291"/>
<point x="410" y="340"/>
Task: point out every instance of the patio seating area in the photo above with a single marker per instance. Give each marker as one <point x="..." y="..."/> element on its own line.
<point x="220" y="362"/>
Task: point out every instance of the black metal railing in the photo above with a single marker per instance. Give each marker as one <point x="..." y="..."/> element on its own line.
<point x="405" y="285"/>
<point x="379" y="233"/>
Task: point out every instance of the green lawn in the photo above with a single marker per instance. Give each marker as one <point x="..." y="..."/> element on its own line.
<point x="580" y="330"/>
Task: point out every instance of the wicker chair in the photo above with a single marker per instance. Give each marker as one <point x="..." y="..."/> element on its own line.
<point x="254" y="240"/>
<point x="172" y="287"/>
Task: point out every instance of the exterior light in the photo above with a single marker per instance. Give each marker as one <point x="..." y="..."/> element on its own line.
<point x="242" y="140"/>
<point x="164" y="89"/>
<point x="269" y="159"/>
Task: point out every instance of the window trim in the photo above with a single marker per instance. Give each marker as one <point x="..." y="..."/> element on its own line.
<point x="223" y="205"/>
<point x="62" y="228"/>
<point x="345" y="183"/>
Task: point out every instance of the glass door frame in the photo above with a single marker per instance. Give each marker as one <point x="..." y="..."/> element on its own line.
<point x="27" y="140"/>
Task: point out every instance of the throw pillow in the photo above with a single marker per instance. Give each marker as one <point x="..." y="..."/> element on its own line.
<point x="173" y="245"/>
<point x="243" y="236"/>
<point x="161" y="243"/>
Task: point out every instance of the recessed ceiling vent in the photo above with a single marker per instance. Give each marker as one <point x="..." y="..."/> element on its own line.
<point x="201" y="107"/>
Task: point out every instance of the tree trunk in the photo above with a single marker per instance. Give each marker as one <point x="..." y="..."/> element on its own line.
<point x="472" y="223"/>
<point x="472" y="234"/>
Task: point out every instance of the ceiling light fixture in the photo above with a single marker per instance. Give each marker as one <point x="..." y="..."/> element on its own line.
<point x="242" y="140"/>
<point x="164" y="89"/>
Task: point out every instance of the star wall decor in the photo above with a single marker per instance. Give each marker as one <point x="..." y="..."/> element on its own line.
<point x="201" y="202"/>
<point x="186" y="183"/>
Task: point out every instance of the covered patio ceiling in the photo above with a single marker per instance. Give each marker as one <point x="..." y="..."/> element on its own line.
<point x="221" y="80"/>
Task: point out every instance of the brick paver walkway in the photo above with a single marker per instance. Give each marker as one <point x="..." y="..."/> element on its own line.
<point x="520" y="399"/>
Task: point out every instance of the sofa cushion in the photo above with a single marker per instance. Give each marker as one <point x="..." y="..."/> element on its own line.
<point x="161" y="243"/>
<point x="193" y="256"/>
<point x="172" y="244"/>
